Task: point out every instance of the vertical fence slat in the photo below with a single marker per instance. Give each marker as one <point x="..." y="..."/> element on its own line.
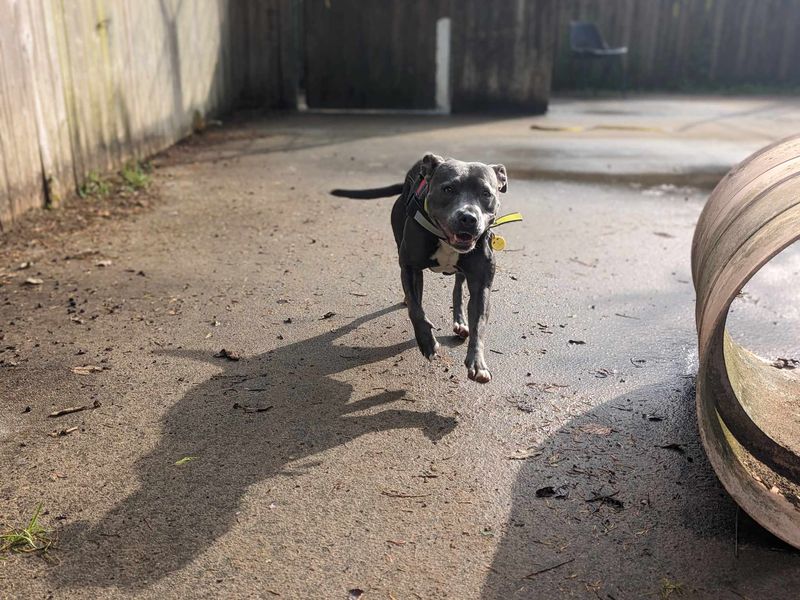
<point x="18" y="135"/>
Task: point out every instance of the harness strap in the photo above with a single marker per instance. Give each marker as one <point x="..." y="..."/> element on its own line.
<point x="509" y="218"/>
<point x="430" y="227"/>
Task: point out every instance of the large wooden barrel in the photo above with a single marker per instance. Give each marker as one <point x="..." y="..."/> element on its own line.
<point x="748" y="411"/>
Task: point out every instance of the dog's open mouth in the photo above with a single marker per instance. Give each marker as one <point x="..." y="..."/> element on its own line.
<point x="462" y="240"/>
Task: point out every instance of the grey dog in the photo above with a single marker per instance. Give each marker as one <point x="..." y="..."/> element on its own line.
<point x="441" y="222"/>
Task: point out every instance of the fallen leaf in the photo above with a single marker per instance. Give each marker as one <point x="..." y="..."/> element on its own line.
<point x="602" y="373"/>
<point x="609" y="500"/>
<point x="86" y="369"/>
<point x="328" y="315"/>
<point x="553" y="492"/>
<point x="596" y="429"/>
<point x="33" y="281"/>
<point x="230" y="355"/>
<point x="185" y="460"/>
<point x="675" y="448"/>
<point x="62" y="432"/>
<point x="252" y="409"/>
<point x="785" y="363"/>
<point x="525" y="454"/>
<point x="82" y="254"/>
<point x="67" y="411"/>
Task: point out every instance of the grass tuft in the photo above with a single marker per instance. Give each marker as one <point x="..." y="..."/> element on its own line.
<point x="94" y="186"/>
<point x="31" y="538"/>
<point x="668" y="588"/>
<point x="135" y="175"/>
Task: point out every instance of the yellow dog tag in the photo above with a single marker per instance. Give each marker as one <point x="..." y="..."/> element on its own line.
<point x="498" y="242"/>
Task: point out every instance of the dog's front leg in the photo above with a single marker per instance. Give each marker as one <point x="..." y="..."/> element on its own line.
<point x="459" y="320"/>
<point x="478" y="313"/>
<point x="423" y="328"/>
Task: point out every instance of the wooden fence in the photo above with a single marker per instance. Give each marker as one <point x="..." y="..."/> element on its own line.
<point x="502" y="56"/>
<point x="381" y="53"/>
<point x="87" y="84"/>
<point x="690" y="44"/>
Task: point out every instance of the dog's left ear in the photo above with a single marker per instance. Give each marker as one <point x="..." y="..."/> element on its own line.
<point x="502" y="177"/>
<point x="430" y="163"/>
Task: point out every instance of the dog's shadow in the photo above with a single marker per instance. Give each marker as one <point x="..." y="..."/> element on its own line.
<point x="180" y="510"/>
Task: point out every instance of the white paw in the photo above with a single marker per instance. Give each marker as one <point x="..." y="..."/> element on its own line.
<point x="479" y="375"/>
<point x="461" y="330"/>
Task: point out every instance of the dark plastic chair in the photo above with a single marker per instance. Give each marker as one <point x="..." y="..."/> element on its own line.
<point x="586" y="43"/>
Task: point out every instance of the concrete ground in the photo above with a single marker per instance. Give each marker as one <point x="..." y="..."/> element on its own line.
<point x="332" y="459"/>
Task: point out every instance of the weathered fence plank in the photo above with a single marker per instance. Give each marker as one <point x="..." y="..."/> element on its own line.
<point x="503" y="54"/>
<point x="371" y="54"/>
<point x="86" y="85"/>
<point x="18" y="135"/>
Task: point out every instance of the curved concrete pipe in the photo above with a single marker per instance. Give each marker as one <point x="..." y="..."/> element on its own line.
<point x="748" y="411"/>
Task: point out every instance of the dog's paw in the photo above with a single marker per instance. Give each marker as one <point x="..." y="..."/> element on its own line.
<point x="461" y="330"/>
<point x="476" y="370"/>
<point x="429" y="347"/>
<point x="479" y="375"/>
<point x="476" y="366"/>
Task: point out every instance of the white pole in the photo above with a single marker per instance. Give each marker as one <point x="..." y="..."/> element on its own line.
<point x="443" y="64"/>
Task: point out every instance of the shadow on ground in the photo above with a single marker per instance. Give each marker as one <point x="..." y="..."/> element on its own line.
<point x="643" y="513"/>
<point x="250" y="135"/>
<point x="179" y="511"/>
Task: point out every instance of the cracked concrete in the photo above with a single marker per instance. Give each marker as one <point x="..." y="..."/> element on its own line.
<point x="365" y="467"/>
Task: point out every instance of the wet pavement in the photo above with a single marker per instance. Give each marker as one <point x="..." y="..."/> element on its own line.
<point x="332" y="457"/>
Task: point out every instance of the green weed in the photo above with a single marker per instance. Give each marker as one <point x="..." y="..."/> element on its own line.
<point x="31" y="538"/>
<point x="94" y="186"/>
<point x="669" y="587"/>
<point x="135" y="175"/>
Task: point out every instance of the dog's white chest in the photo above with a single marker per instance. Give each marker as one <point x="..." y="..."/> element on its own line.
<point x="447" y="257"/>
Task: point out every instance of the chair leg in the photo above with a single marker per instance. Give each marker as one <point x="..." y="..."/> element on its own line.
<point x="587" y="84"/>
<point x="623" y="68"/>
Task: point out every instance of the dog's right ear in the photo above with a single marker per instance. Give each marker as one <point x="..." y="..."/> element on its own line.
<point x="429" y="164"/>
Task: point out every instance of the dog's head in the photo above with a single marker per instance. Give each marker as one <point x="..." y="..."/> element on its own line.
<point x="462" y="198"/>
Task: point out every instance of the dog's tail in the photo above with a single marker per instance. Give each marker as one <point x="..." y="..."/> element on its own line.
<point x="384" y="192"/>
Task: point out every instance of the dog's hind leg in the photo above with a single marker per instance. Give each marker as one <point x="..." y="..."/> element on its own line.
<point x="459" y="318"/>
<point x="423" y="328"/>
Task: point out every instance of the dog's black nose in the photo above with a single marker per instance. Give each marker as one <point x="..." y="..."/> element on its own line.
<point x="467" y="219"/>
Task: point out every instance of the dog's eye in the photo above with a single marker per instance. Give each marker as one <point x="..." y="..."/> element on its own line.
<point x="448" y="189"/>
<point x="487" y="194"/>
